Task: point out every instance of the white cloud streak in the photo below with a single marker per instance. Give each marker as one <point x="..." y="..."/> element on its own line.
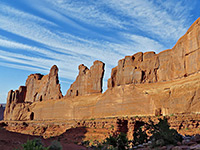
<point x="153" y="18"/>
<point x="90" y="13"/>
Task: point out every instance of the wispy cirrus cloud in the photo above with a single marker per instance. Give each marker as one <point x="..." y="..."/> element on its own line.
<point x="93" y="13"/>
<point x="165" y="19"/>
<point x="15" y="13"/>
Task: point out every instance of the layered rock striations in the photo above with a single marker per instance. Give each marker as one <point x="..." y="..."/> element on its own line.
<point x="141" y="84"/>
<point x="88" y="81"/>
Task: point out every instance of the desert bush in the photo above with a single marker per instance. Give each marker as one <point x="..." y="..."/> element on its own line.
<point x="35" y="144"/>
<point x="112" y="127"/>
<point x="162" y="134"/>
<point x="55" y="145"/>
<point x="139" y="136"/>
<point x="119" y="142"/>
<point x="86" y="143"/>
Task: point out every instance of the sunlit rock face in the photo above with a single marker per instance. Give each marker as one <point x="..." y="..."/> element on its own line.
<point x="141" y="84"/>
<point x="38" y="88"/>
<point x="41" y="87"/>
<point x="88" y="81"/>
<point x="180" y="61"/>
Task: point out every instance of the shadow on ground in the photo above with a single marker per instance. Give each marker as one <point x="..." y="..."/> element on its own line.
<point x="69" y="140"/>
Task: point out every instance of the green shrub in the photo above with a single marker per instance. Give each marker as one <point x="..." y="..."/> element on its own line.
<point x="99" y="146"/>
<point x="120" y="142"/>
<point x="55" y="145"/>
<point x="162" y="134"/>
<point x="35" y="144"/>
<point x="139" y="136"/>
<point x="86" y="143"/>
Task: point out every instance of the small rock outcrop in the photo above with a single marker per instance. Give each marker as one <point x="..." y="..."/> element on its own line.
<point x="88" y="81"/>
<point x="38" y="88"/>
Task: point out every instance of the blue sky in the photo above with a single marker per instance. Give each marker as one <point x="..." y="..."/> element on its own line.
<point x="36" y="34"/>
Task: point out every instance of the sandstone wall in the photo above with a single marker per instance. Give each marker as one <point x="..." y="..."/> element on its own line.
<point x="180" y="61"/>
<point x="143" y="84"/>
<point x="88" y="81"/>
<point x="166" y="98"/>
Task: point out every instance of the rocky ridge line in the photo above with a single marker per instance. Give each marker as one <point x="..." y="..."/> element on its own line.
<point x="174" y="87"/>
<point x="180" y="61"/>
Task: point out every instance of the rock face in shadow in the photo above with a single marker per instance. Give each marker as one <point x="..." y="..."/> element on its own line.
<point x="38" y="88"/>
<point x="2" y="108"/>
<point x="88" y="81"/>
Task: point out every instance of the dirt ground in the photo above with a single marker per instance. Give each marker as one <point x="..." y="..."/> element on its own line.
<point x="11" y="141"/>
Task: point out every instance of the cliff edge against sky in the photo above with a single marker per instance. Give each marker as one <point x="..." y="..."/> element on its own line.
<point x="142" y="84"/>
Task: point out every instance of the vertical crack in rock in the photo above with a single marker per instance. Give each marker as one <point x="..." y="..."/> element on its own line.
<point x="191" y="101"/>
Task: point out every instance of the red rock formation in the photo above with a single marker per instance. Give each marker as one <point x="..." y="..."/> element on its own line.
<point x="88" y="81"/>
<point x="180" y="61"/>
<point x="174" y="87"/>
<point x="14" y="97"/>
<point x="38" y="88"/>
<point x="41" y="87"/>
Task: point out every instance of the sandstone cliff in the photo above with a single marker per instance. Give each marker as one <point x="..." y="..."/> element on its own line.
<point x="180" y="61"/>
<point x="88" y="81"/>
<point x="142" y="84"/>
<point x="38" y="88"/>
<point x="41" y="87"/>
